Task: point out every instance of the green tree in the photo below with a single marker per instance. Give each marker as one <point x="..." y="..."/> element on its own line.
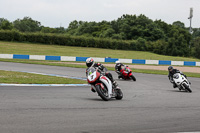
<point x="163" y="27"/>
<point x="197" y="47"/>
<point x="107" y="33"/>
<point x="5" y="24"/>
<point x="48" y="30"/>
<point x="27" y="24"/>
<point x="196" y="32"/>
<point x="179" y="24"/>
<point x="178" y="45"/>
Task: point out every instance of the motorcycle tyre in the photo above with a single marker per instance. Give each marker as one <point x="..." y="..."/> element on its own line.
<point x="101" y="93"/>
<point x="133" y="78"/>
<point x="119" y="94"/>
<point x="187" y="88"/>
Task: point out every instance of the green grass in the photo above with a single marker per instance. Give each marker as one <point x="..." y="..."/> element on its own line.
<point x="27" y="78"/>
<point x="64" y="64"/>
<point x="41" y="49"/>
<point x="56" y="50"/>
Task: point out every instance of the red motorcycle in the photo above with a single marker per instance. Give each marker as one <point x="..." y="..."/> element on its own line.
<point x="126" y="73"/>
<point x="102" y="85"/>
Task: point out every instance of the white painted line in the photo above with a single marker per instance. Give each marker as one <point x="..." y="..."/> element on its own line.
<point x="55" y="75"/>
<point x="56" y="85"/>
<point x="3" y="84"/>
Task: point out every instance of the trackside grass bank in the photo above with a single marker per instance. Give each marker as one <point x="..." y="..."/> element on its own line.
<point x="27" y="78"/>
<point x="56" y="50"/>
<point x="82" y="65"/>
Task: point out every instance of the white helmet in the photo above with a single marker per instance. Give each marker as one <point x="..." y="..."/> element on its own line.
<point x="89" y="62"/>
<point x="117" y="62"/>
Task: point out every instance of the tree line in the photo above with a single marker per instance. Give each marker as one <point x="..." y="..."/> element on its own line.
<point x="148" y="35"/>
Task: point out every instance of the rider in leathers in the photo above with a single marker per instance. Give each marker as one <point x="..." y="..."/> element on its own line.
<point x="90" y="63"/>
<point x="118" y="67"/>
<point x="173" y="71"/>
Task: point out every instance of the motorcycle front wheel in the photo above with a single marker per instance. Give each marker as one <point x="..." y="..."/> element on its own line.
<point x="133" y="78"/>
<point x="119" y="94"/>
<point x="103" y="92"/>
<point x="187" y="88"/>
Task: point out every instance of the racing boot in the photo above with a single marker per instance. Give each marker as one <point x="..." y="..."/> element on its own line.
<point x="93" y="90"/>
<point x="119" y="76"/>
<point x="174" y="85"/>
<point x="115" y="85"/>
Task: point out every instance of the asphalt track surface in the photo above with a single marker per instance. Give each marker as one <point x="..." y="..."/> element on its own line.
<point x="150" y="105"/>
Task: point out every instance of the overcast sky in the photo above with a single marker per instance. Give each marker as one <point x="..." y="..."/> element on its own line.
<point x="56" y="13"/>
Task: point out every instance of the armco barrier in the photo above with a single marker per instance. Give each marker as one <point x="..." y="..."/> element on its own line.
<point x="70" y="58"/>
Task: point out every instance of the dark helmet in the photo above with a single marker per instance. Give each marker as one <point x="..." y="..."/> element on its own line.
<point x="170" y="68"/>
<point x="89" y="62"/>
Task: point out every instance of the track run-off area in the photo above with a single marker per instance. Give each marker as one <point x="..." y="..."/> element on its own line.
<point x="149" y="105"/>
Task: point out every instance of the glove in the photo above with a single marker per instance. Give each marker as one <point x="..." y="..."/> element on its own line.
<point x="100" y="67"/>
<point x="118" y="72"/>
<point x="172" y="81"/>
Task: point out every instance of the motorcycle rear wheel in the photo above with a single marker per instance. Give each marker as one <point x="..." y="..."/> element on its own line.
<point x="103" y="93"/>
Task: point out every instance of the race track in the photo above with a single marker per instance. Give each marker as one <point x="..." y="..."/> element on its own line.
<point x="150" y="105"/>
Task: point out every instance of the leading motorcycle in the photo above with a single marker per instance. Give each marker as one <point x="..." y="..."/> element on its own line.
<point x="182" y="82"/>
<point x="102" y="85"/>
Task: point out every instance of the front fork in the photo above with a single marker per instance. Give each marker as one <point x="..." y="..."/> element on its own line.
<point x="130" y="74"/>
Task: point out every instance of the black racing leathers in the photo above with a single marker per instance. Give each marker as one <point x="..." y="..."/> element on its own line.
<point x="171" y="73"/>
<point x="174" y="71"/>
<point x="118" y="66"/>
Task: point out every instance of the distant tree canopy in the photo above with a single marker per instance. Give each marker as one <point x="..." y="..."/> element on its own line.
<point x="140" y="28"/>
<point x="27" y="25"/>
<point x="167" y="39"/>
<point x="5" y="24"/>
<point x="131" y="27"/>
<point x="127" y="27"/>
<point x="179" y="24"/>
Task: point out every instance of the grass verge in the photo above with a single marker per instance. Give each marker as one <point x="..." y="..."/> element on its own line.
<point x="27" y="78"/>
<point x="58" y="63"/>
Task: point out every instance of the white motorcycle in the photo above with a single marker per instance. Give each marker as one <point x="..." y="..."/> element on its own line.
<point x="182" y="82"/>
<point x="102" y="85"/>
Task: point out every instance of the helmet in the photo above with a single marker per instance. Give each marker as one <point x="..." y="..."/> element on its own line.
<point x="117" y="62"/>
<point x="170" y="68"/>
<point x="89" y="62"/>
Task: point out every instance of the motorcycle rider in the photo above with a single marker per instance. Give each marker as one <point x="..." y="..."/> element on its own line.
<point x="173" y="71"/>
<point x="90" y="63"/>
<point x="118" y="67"/>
